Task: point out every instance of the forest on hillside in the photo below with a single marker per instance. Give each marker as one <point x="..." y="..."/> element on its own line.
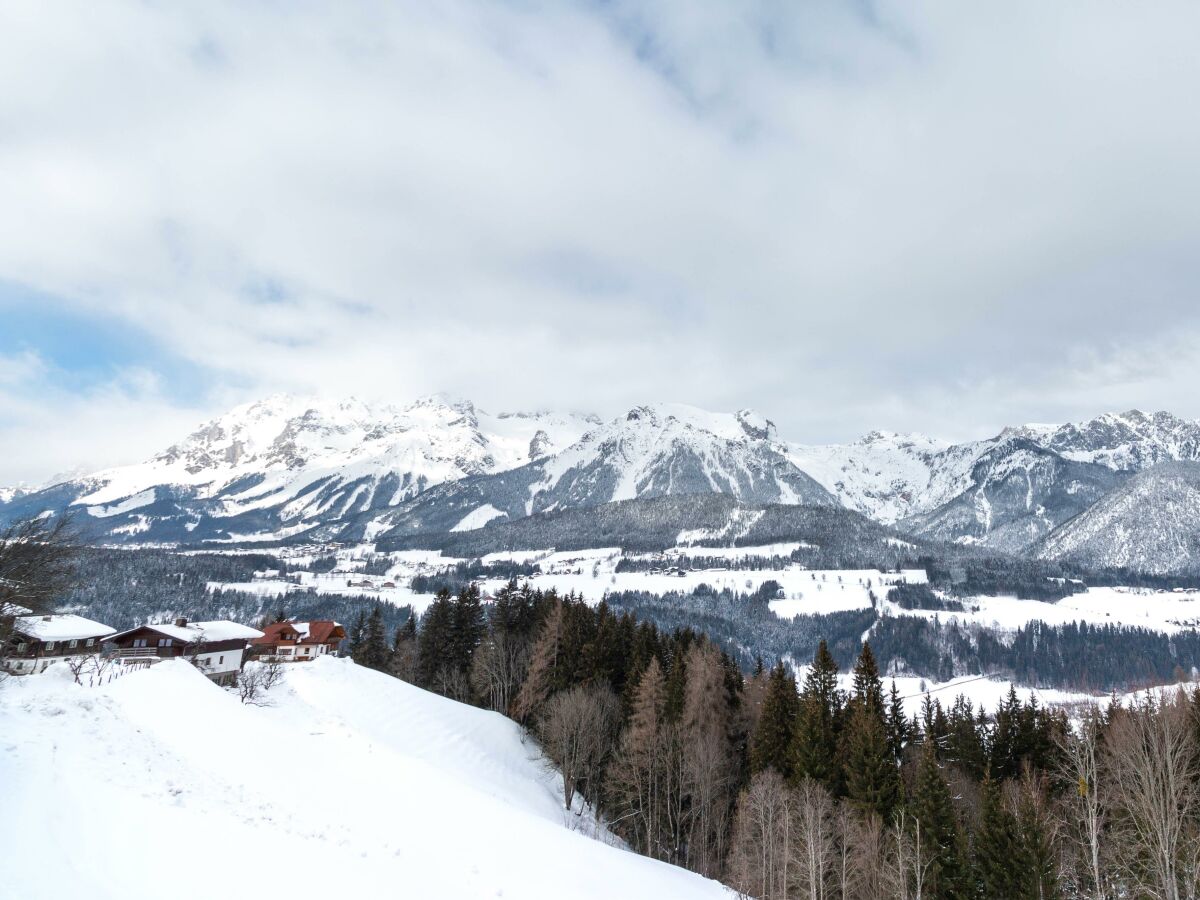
<point x="789" y="790"/>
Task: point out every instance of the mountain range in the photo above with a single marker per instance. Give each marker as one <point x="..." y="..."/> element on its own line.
<point x="301" y="468"/>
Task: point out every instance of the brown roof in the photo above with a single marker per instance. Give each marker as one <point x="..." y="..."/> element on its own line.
<point x="323" y="632"/>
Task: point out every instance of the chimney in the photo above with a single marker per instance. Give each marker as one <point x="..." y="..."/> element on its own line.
<point x="45" y="618"/>
<point x="181" y="622"/>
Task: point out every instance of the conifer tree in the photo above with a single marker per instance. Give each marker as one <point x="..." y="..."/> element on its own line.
<point x="996" y="847"/>
<point x="898" y="726"/>
<point x="373" y="650"/>
<point x="435" y="640"/>
<point x="771" y="744"/>
<point x="815" y="745"/>
<point x="941" y="842"/>
<point x="872" y="780"/>
<point x="357" y="633"/>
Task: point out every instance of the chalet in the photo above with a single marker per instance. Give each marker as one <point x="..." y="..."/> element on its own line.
<point x="38" y="641"/>
<point x="299" y="641"/>
<point x="215" y="648"/>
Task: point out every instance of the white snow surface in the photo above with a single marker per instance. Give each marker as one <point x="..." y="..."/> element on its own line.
<point x="64" y="627"/>
<point x="218" y="630"/>
<point x="478" y="517"/>
<point x="356" y="783"/>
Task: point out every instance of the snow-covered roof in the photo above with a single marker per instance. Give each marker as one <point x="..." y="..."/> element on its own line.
<point x="220" y="630"/>
<point x="61" y="628"/>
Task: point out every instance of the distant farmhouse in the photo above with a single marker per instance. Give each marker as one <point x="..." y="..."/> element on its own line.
<point x="298" y="641"/>
<point x="215" y="648"/>
<point x="39" y="641"/>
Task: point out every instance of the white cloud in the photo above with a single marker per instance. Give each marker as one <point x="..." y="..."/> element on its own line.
<point x="928" y="216"/>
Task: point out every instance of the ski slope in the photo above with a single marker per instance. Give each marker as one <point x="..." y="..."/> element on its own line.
<point x="351" y="783"/>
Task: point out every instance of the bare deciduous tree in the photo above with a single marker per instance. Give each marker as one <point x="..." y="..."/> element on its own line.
<point x="498" y="669"/>
<point x="37" y="557"/>
<point x="815" y="844"/>
<point x="577" y="731"/>
<point x="1085" y="805"/>
<point x="1151" y="766"/>
<point x="256" y="679"/>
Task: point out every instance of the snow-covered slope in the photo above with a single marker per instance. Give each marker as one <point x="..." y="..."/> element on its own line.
<point x="1151" y="523"/>
<point x="351" y="784"/>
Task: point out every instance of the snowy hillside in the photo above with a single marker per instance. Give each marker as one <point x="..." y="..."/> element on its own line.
<point x="1151" y="523"/>
<point x="351" y="784"/>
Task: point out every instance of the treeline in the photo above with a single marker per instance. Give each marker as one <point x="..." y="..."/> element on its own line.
<point x="1077" y="656"/>
<point x="460" y="575"/>
<point x="785" y="791"/>
<point x="124" y="588"/>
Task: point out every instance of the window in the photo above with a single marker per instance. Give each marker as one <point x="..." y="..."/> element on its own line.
<point x="141" y="642"/>
<point x="49" y="645"/>
<point x="90" y="641"/>
<point x="21" y="647"/>
<point x="74" y="643"/>
<point x="164" y="642"/>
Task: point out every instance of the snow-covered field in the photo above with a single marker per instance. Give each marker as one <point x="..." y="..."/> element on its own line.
<point x="1164" y="611"/>
<point x="351" y="784"/>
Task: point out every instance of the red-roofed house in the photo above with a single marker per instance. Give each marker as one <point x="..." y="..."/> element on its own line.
<point x="299" y="641"/>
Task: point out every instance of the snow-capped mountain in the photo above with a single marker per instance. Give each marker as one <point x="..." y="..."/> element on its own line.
<point x="652" y="451"/>
<point x="1016" y="492"/>
<point x="1150" y="523"/>
<point x="281" y="465"/>
<point x="1125" y="442"/>
<point x="1004" y="492"/>
<point x="289" y="466"/>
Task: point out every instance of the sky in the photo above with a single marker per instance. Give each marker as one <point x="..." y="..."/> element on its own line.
<point x="936" y="217"/>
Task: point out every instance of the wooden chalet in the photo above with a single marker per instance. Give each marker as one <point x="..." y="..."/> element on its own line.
<point x="299" y="641"/>
<point x="38" y="641"/>
<point x="216" y="648"/>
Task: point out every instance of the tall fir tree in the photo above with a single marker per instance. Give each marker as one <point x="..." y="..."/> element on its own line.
<point x="872" y="779"/>
<point x="436" y="639"/>
<point x="771" y="746"/>
<point x="942" y="847"/>
<point x="373" y="650"/>
<point x="815" y="744"/>
<point x="996" y="847"/>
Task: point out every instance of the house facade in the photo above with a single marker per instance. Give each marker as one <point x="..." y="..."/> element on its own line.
<point x="215" y="648"/>
<point x="299" y="641"/>
<point x="39" y="641"/>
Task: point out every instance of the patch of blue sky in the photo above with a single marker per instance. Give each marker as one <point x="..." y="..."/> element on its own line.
<point x="82" y="349"/>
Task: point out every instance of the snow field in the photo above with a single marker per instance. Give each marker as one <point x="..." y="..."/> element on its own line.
<point x="351" y="782"/>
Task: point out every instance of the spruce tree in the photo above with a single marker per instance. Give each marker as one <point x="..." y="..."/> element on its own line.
<point x="941" y="842"/>
<point x="872" y="778"/>
<point x="436" y="639"/>
<point x="772" y="740"/>
<point x="373" y="651"/>
<point x="996" y="847"/>
<point x="815" y="744"/>
<point x="356" y="635"/>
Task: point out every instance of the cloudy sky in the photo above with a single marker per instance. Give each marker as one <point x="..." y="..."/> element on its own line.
<point x="941" y="217"/>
